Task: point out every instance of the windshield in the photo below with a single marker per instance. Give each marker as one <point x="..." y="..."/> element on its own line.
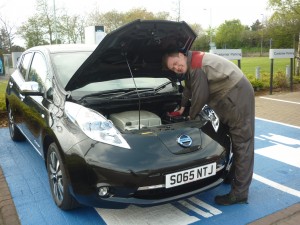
<point x="67" y="63"/>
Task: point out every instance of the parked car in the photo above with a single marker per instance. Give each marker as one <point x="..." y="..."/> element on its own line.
<point x="98" y="116"/>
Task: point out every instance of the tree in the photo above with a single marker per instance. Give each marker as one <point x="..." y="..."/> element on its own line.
<point x="45" y="28"/>
<point x="284" y="24"/>
<point x="229" y="34"/>
<point x="6" y="36"/>
<point x="47" y="20"/>
<point x="197" y="28"/>
<point x="71" y="28"/>
<point x="32" y="32"/>
<point x="201" y="43"/>
<point x="38" y="29"/>
<point x="256" y="26"/>
<point x="113" y="19"/>
<point x="110" y="20"/>
<point x="143" y="14"/>
<point x="202" y="40"/>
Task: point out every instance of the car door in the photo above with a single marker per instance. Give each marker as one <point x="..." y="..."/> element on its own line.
<point x="15" y="98"/>
<point x="36" y="114"/>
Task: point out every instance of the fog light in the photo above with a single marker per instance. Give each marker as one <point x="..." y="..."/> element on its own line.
<point x="103" y="191"/>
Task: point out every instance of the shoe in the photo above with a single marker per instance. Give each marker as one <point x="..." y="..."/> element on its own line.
<point x="230" y="199"/>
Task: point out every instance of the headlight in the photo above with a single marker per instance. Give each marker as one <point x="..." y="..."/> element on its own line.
<point x="94" y="125"/>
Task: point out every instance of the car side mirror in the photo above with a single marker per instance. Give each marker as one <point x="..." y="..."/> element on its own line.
<point x="209" y="115"/>
<point x="30" y="88"/>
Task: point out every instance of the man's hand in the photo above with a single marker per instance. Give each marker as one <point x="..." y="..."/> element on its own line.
<point x="175" y="113"/>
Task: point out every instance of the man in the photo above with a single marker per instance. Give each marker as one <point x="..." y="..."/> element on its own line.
<point x="219" y="83"/>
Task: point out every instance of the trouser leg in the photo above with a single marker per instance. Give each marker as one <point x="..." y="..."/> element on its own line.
<point x="237" y="111"/>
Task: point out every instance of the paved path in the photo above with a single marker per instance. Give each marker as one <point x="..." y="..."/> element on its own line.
<point x="284" y="108"/>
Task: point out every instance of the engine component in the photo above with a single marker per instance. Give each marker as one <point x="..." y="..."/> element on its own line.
<point x="129" y="120"/>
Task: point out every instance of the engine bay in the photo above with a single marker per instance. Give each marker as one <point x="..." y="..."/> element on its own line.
<point x="151" y="112"/>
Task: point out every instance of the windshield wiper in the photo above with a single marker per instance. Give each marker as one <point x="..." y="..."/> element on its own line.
<point x="108" y="93"/>
<point x="162" y="86"/>
<point x="135" y="91"/>
<point x="142" y="91"/>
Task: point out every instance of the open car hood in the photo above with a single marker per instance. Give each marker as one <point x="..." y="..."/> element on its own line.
<point x="139" y="46"/>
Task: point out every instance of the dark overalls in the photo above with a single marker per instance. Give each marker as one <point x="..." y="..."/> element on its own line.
<point x="218" y="82"/>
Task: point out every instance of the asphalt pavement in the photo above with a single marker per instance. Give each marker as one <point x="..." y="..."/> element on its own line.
<point x="282" y="107"/>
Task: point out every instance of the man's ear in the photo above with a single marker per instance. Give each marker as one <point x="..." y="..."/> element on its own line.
<point x="180" y="54"/>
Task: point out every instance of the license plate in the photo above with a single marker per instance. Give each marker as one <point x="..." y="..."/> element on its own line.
<point x="190" y="175"/>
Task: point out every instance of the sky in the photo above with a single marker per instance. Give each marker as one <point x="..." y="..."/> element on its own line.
<point x="206" y="13"/>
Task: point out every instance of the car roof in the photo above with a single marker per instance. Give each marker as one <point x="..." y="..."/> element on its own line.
<point x="64" y="48"/>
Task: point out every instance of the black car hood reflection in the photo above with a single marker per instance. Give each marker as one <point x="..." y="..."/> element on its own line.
<point x="139" y="46"/>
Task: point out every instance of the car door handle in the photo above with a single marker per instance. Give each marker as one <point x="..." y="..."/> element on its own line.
<point x="21" y="97"/>
<point x="11" y="84"/>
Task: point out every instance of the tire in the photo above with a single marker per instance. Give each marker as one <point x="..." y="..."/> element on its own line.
<point x="14" y="131"/>
<point x="59" y="183"/>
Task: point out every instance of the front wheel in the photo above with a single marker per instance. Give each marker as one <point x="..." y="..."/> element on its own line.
<point x="58" y="180"/>
<point x="14" y="131"/>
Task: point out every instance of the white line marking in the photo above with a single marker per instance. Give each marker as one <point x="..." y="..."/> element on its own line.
<point x="281" y="139"/>
<point x="204" y="205"/>
<point x="288" y="125"/>
<point x="133" y="215"/>
<point x="195" y="209"/>
<point x="280" y="152"/>
<point x="259" y="138"/>
<point x="277" y="185"/>
<point x="280" y="100"/>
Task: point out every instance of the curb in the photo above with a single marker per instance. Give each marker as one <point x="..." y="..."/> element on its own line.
<point x="8" y="212"/>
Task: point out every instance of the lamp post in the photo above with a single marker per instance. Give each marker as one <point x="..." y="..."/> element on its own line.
<point x="54" y="15"/>
<point x="178" y="18"/>
<point x="262" y="34"/>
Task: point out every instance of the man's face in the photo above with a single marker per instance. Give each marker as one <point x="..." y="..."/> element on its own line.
<point x="177" y="64"/>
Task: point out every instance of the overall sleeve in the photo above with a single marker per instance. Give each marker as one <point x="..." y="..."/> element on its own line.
<point x="186" y="94"/>
<point x="199" y="90"/>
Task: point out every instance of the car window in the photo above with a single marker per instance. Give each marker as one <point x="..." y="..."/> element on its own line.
<point x="24" y="65"/>
<point x="38" y="71"/>
<point x="67" y="63"/>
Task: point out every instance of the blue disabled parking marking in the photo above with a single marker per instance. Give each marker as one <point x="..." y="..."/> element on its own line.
<point x="26" y="175"/>
<point x="275" y="186"/>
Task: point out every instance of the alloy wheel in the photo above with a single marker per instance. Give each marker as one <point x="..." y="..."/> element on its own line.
<point x="56" y="177"/>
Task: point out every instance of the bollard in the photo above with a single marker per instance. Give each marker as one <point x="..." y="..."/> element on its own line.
<point x="257" y="72"/>
<point x="288" y="71"/>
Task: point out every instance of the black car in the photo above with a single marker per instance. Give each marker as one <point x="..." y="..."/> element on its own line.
<point x="98" y="116"/>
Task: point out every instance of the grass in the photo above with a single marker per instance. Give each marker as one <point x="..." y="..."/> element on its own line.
<point x="3" y="85"/>
<point x="249" y="65"/>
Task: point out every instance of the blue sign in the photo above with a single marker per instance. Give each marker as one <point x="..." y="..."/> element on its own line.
<point x="1" y="67"/>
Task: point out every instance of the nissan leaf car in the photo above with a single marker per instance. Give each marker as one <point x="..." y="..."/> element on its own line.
<point x="98" y="115"/>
